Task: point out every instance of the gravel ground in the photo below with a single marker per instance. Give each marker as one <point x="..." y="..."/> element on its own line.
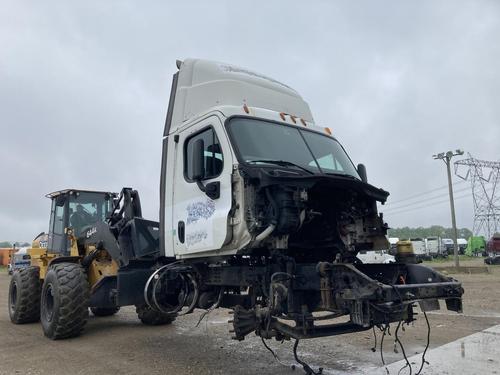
<point x="121" y="344"/>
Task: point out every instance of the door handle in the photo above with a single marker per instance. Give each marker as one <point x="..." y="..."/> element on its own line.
<point x="181" y="228"/>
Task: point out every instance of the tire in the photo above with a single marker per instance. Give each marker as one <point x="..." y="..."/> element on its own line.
<point x="152" y="317"/>
<point x="24" y="296"/>
<point x="65" y="300"/>
<point x="104" y="311"/>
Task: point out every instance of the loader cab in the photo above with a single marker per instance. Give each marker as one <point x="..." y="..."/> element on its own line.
<point x="76" y="209"/>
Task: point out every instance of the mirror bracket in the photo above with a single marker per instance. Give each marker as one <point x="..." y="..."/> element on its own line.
<point x="200" y="185"/>
<point x="212" y="189"/>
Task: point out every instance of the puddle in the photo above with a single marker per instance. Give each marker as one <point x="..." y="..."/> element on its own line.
<point x="478" y="353"/>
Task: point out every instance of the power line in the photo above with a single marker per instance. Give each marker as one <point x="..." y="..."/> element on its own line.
<point x="426" y="199"/>
<point x="397" y="211"/>
<point x="425" y="192"/>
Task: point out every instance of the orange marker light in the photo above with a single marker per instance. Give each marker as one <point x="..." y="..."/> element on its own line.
<point x="282" y="115"/>
<point x="293" y="118"/>
<point x="245" y="108"/>
<point x="328" y="131"/>
<point x="303" y="122"/>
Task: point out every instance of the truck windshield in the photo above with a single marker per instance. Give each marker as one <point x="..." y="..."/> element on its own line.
<point x="259" y="141"/>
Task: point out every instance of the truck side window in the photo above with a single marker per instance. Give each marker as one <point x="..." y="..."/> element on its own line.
<point x="214" y="159"/>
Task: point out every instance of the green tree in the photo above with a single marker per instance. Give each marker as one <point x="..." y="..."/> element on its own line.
<point x="432" y="231"/>
<point x="5" y="244"/>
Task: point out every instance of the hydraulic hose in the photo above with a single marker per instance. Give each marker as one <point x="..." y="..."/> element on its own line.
<point x="265" y="233"/>
<point x="274" y="205"/>
<point x="87" y="260"/>
<point x="274" y="219"/>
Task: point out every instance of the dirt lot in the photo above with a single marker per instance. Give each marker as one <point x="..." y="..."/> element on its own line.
<point x="120" y="344"/>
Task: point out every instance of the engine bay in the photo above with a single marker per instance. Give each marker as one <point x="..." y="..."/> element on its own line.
<point x="314" y="217"/>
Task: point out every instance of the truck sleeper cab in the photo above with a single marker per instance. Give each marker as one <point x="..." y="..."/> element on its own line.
<point x="263" y="211"/>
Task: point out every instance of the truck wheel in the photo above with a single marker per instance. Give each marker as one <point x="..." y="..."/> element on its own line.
<point x="65" y="300"/>
<point x="24" y="296"/>
<point x="152" y="317"/>
<point x="104" y="311"/>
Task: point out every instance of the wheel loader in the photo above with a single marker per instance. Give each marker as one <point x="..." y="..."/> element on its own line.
<point x="261" y="211"/>
<point x="72" y="271"/>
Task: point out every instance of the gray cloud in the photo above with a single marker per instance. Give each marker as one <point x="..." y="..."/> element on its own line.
<point x="84" y="89"/>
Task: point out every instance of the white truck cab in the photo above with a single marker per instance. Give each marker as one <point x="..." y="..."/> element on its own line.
<point x="244" y="124"/>
<point x="262" y="211"/>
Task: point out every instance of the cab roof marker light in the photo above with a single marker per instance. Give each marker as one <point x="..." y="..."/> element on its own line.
<point x="282" y="115"/>
<point x="328" y="131"/>
<point x="303" y="122"/>
<point x="245" y="108"/>
<point x="293" y="118"/>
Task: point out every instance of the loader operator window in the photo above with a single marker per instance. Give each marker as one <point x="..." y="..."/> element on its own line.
<point x="213" y="158"/>
<point x="86" y="209"/>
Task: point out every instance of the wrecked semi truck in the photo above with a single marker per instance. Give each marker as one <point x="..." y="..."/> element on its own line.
<point x="261" y="211"/>
<point x="266" y="211"/>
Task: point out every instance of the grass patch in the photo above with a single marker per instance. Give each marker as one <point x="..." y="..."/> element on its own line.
<point x="3" y="268"/>
<point x="450" y="258"/>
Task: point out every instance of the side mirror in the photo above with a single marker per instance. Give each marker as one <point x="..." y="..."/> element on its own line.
<point x="362" y="172"/>
<point x="198" y="162"/>
<point x="60" y="200"/>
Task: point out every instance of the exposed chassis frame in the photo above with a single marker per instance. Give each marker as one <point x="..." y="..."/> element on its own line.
<point x="370" y="294"/>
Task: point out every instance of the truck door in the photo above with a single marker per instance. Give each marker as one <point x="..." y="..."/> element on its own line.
<point x="199" y="222"/>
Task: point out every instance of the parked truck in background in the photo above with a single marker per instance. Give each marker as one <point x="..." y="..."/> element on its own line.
<point x="476" y="246"/>
<point x="434" y="247"/>
<point x="462" y="245"/>
<point x="493" y="245"/>
<point x="448" y="246"/>
<point x="419" y="248"/>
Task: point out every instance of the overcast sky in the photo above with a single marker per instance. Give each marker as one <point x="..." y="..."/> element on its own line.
<point x="84" y="89"/>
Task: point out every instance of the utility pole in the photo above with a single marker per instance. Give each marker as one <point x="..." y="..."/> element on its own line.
<point x="446" y="158"/>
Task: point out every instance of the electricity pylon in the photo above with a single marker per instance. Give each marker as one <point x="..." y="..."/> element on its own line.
<point x="485" y="180"/>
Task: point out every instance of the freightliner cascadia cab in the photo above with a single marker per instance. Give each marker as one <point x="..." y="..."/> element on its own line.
<point x="262" y="211"/>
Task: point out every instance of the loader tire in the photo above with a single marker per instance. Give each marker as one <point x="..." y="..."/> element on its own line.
<point x="104" y="311"/>
<point x="65" y="301"/>
<point x="152" y="317"/>
<point x="24" y="296"/>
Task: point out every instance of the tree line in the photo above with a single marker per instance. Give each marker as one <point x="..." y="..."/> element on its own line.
<point x="11" y="244"/>
<point x="432" y="231"/>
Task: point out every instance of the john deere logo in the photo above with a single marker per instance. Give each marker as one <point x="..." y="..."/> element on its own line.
<point x="91" y="231"/>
